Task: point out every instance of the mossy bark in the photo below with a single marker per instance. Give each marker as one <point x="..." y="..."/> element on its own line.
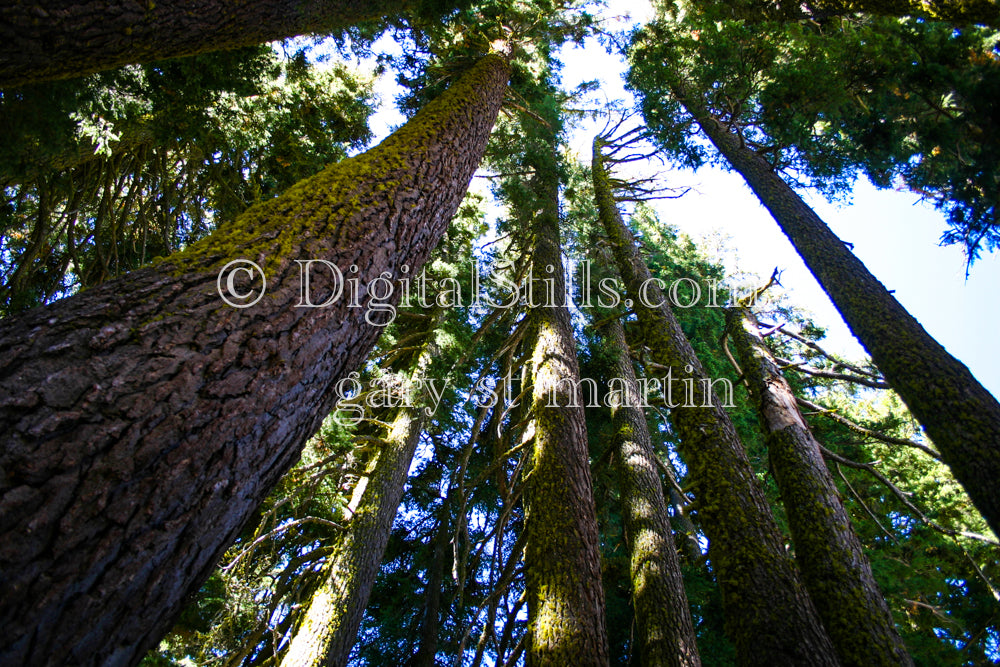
<point x="327" y="632"/>
<point x="144" y="420"/>
<point x="833" y="563"/>
<point x="561" y="557"/>
<point x="769" y="616"/>
<point x="664" y="630"/>
<point x="959" y="415"/>
<point x="57" y="39"/>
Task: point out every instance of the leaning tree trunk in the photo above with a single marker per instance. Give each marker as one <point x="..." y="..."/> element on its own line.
<point x="56" y="39"/>
<point x="561" y="557"/>
<point x="960" y="416"/>
<point x="143" y="421"/>
<point x="327" y="632"/>
<point x="833" y="563"/>
<point x="769" y="615"/>
<point x="664" y="630"/>
<point x="684" y="528"/>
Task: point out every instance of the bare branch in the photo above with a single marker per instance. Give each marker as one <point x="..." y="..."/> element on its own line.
<point x="902" y="496"/>
<point x="857" y="428"/>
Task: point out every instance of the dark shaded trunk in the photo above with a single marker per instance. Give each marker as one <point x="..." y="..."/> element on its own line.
<point x="561" y="558"/>
<point x="684" y="528"/>
<point x="664" y="630"/>
<point x="769" y="615"/>
<point x="143" y="421"/>
<point x="431" y="620"/>
<point x="833" y="563"/>
<point x="57" y="39"/>
<point x="959" y="415"/>
<point x="327" y="632"/>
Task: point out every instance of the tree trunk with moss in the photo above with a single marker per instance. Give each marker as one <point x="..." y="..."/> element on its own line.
<point x="769" y="616"/>
<point x="57" y="39"/>
<point x="144" y="420"/>
<point x="561" y="557"/>
<point x="959" y="415"/>
<point x="833" y="563"/>
<point x="327" y="632"/>
<point x="664" y="630"/>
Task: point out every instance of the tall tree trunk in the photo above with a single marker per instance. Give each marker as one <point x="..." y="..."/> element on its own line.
<point x="960" y="416"/>
<point x="665" y="632"/>
<point x="833" y="563"/>
<point x="327" y="632"/>
<point x="561" y="558"/>
<point x="57" y="39"/>
<point x="144" y="420"/>
<point x="769" y="615"/>
<point x="430" y="623"/>
<point x="687" y="532"/>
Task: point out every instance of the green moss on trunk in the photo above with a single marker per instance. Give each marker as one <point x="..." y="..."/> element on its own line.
<point x="769" y="616"/>
<point x="562" y="562"/>
<point x="664" y="630"/>
<point x="834" y="566"/>
<point x="958" y="413"/>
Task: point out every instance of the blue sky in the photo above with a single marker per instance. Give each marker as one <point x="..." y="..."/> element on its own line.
<point x="893" y="233"/>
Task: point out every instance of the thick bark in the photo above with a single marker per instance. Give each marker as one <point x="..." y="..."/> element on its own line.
<point x="959" y="415"/>
<point x="833" y="563"/>
<point x="561" y="558"/>
<point x="664" y="630"/>
<point x="769" y="615"/>
<point x="327" y="632"/>
<point x="57" y="39"/>
<point x="143" y="421"/>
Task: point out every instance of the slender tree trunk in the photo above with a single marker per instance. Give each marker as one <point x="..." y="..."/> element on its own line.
<point x="57" y="39"/>
<point x="769" y="615"/>
<point x="833" y="563"/>
<point x="561" y="557"/>
<point x="665" y="632"/>
<point x="683" y="525"/>
<point x="431" y="621"/>
<point x="959" y="415"/>
<point x="327" y="632"/>
<point x="144" y="420"/>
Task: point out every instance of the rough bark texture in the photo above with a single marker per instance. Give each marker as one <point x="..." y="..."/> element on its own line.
<point x="143" y="421"/>
<point x="769" y="615"/>
<point x="833" y="563"/>
<point x="959" y="415"/>
<point x="327" y="632"/>
<point x="561" y="558"/>
<point x="53" y="39"/>
<point x="664" y="630"/>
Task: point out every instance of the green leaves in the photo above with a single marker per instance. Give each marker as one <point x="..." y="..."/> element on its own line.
<point x="105" y="173"/>
<point x="901" y="101"/>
